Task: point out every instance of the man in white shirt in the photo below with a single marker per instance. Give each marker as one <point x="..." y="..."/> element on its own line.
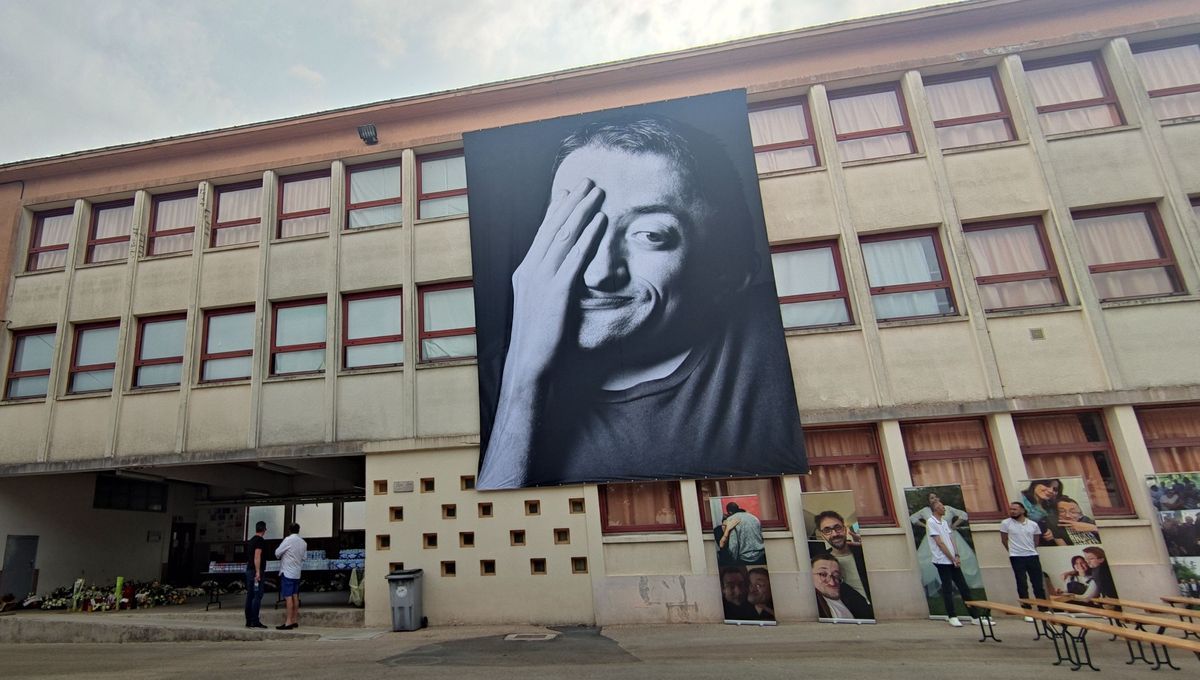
<point x="947" y="562"/>
<point x="291" y="559"/>
<point x="1020" y="536"/>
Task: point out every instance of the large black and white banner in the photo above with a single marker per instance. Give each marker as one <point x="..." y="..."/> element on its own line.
<point x="626" y="312"/>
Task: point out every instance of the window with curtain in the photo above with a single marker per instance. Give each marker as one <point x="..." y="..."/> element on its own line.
<point x="811" y="285"/>
<point x="1074" y="445"/>
<point x="372" y="329"/>
<point x="849" y="458"/>
<point x="172" y="223"/>
<point x="956" y="452"/>
<point x="49" y="240"/>
<point x="304" y="204"/>
<point x="1013" y="264"/>
<point x="1172" y="435"/>
<point x="298" y="337"/>
<point x="94" y="357"/>
<point x="782" y="135"/>
<point x="871" y="123"/>
<point x="1127" y="252"/>
<point x="968" y="109"/>
<point x="907" y="275"/>
<point x="29" y="364"/>
<point x="442" y="184"/>
<point x="158" y="359"/>
<point x="1072" y="94"/>
<point x="373" y="195"/>
<point x="228" y="344"/>
<point x="768" y="489"/>
<point x="640" y="506"/>
<point x="108" y="235"/>
<point x="238" y="209"/>
<point x="447" y="318"/>
<point x="1171" y="73"/>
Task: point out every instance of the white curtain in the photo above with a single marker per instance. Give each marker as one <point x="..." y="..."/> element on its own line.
<point x="1123" y="238"/>
<point x="963" y="98"/>
<point x="449" y="309"/>
<point x="1011" y="250"/>
<point x="112" y="222"/>
<point x="901" y="261"/>
<point x="375" y="184"/>
<point x="869" y="112"/>
<point x="773" y="126"/>
<point x="179" y="213"/>
<point x="1170" y="67"/>
<point x="240" y="204"/>
<point x="1070" y="83"/>
<point x="305" y="194"/>
<point x="443" y="174"/>
<point x="52" y="231"/>
<point x="799" y="272"/>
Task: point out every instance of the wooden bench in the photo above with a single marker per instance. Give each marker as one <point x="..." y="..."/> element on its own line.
<point x="1179" y="599"/>
<point x="1074" y="649"/>
<point x="1189" y="615"/>
<point x="1124" y="619"/>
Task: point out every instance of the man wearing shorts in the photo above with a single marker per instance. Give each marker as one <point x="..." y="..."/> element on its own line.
<point x="291" y="558"/>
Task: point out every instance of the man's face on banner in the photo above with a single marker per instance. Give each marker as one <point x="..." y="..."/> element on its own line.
<point x="827" y="578"/>
<point x="833" y="531"/>
<point x="733" y="587"/>
<point x="644" y="275"/>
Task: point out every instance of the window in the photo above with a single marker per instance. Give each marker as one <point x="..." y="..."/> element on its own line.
<point x="907" y="275"/>
<point x="122" y="493"/>
<point x="172" y="223"/>
<point x="298" y="337"/>
<point x="1072" y="94"/>
<point x="1127" y="252"/>
<point x="29" y="365"/>
<point x="373" y="195"/>
<point x="956" y="452"/>
<point x="768" y="490"/>
<point x="354" y="516"/>
<point x="968" y="109"/>
<point x="316" y="519"/>
<point x="782" y="136"/>
<point x="442" y="184"/>
<point x="1013" y="265"/>
<point x="372" y="329"/>
<point x="228" y="344"/>
<point x="237" y="208"/>
<point x="108" y="235"/>
<point x="304" y="204"/>
<point x="49" y="240"/>
<point x="447" y="321"/>
<point x="1074" y="444"/>
<point x="1172" y="435"/>
<point x="94" y="357"/>
<point x="640" y="506"/>
<point x="272" y="515"/>
<point x="159" y="356"/>
<point x="871" y="123"/>
<point x="849" y="458"/>
<point x="811" y="285"/>
<point x="1171" y="72"/>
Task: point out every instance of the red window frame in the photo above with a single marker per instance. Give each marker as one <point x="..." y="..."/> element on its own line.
<point x="842" y="293"/>
<point x="93" y="241"/>
<point x="874" y="459"/>
<point x="1108" y="97"/>
<point x="14" y="374"/>
<point x="347" y="343"/>
<point x="217" y="226"/>
<point x="1157" y="444"/>
<point x="139" y="362"/>
<point x="423" y="334"/>
<point x="809" y="141"/>
<point x="277" y="349"/>
<point x="1157" y="231"/>
<point x="283" y="182"/>
<point x="941" y="284"/>
<point x="676" y="502"/>
<point x="398" y="200"/>
<point x="1003" y="114"/>
<point x="1164" y="45"/>
<point x="77" y="368"/>
<point x="154" y="231"/>
<point x="35" y="239"/>
<point x="1105" y="447"/>
<point x="905" y="128"/>
<point x="706" y="519"/>
<point x="421" y="195"/>
<point x="1051" y="271"/>
<point x="988" y="453"/>
<point x="205" y="355"/>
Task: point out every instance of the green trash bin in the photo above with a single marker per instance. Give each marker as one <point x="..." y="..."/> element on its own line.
<point x="404" y="589"/>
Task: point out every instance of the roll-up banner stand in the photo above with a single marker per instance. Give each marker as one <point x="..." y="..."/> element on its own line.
<point x="1176" y="499"/>
<point x="921" y="503"/>
<point x="835" y="549"/>
<point x="742" y="560"/>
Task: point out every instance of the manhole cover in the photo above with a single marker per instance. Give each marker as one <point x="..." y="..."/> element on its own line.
<point x="530" y="637"/>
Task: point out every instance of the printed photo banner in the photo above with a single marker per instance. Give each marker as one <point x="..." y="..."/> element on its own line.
<point x="835" y="550"/>
<point x="625" y="308"/>
<point x="1074" y="561"/>
<point x="1176" y="499"/>
<point x="920" y="502"/>
<point x="742" y="560"/>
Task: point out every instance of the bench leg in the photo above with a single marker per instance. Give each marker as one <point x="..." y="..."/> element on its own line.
<point x="1042" y="629"/>
<point x="1079" y="646"/>
<point x="1165" y="660"/>
<point x="986" y="629"/>
<point x="1063" y="654"/>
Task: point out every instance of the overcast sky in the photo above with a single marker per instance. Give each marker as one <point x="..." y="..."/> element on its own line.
<point x="79" y="74"/>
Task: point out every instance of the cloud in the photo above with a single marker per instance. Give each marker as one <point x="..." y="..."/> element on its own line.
<point x="302" y="72"/>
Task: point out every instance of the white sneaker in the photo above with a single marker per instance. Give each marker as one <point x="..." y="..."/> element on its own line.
<point x="954" y="622"/>
<point x="1028" y="619"/>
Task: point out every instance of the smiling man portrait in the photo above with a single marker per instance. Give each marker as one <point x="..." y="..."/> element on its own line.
<point x="628" y="323"/>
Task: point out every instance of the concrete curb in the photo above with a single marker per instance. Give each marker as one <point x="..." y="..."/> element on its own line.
<point x="43" y="629"/>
